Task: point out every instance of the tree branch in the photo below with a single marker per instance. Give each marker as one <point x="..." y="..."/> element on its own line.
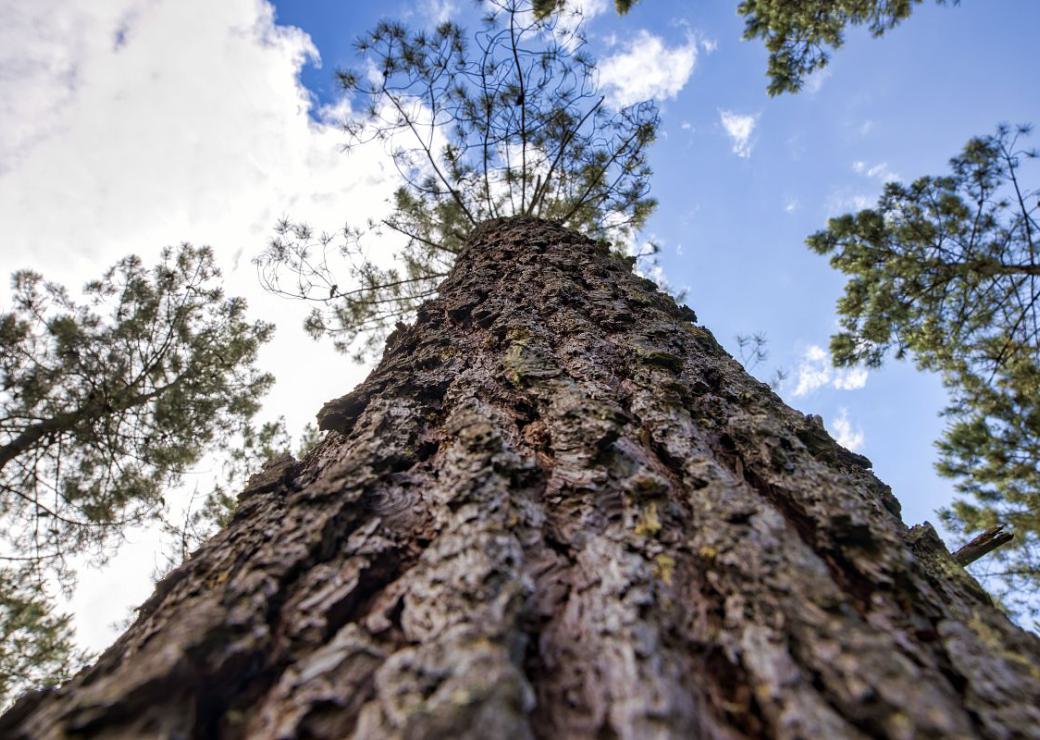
<point x="982" y="545"/>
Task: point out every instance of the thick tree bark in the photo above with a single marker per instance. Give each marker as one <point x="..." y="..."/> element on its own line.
<point x="559" y="509"/>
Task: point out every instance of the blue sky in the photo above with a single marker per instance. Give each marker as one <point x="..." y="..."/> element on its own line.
<point x="126" y="125"/>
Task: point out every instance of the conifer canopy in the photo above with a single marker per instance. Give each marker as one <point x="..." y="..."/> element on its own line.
<point x="106" y="401"/>
<point x="946" y="270"/>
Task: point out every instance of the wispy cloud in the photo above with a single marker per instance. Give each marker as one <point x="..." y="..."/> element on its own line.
<point x="844" y="433"/>
<point x="879" y="171"/>
<point x="816" y="371"/>
<point x="439" y="11"/>
<point x="813" y="372"/>
<point x="844" y="200"/>
<point x="814" y="82"/>
<point x="739" y="127"/>
<point x="850" y="379"/>
<point x="647" y="69"/>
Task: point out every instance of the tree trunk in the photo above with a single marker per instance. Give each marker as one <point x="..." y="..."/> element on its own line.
<point x="559" y="509"/>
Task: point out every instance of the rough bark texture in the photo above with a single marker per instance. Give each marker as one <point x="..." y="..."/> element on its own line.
<point x="559" y="509"/>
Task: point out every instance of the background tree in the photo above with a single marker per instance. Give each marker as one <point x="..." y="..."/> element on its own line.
<point x="946" y="270"/>
<point x="507" y="122"/>
<point x="36" y="645"/>
<point x="105" y="402"/>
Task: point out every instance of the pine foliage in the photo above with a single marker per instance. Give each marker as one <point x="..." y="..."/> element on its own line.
<point x="798" y="33"/>
<point x="106" y="401"/>
<point x="36" y="645"/>
<point x="946" y="270"/>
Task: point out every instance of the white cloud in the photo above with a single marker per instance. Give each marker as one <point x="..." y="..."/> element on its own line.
<point x="710" y="46"/>
<point x="878" y="171"/>
<point x="439" y="11"/>
<point x="850" y="379"/>
<point x="866" y="127"/>
<point x="739" y="128"/>
<point x="816" y="371"/>
<point x="844" y="433"/>
<point x="791" y="205"/>
<point x="127" y="125"/>
<point x="843" y="201"/>
<point x="846" y="199"/>
<point x="42" y="69"/>
<point x="647" y="69"/>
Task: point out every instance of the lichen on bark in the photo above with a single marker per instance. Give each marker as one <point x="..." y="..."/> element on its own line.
<point x="557" y="508"/>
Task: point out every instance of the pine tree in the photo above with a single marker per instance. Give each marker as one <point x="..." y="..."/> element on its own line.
<point x="37" y="646"/>
<point x="557" y="508"/>
<point x="105" y="402"/>
<point x="945" y="270"/>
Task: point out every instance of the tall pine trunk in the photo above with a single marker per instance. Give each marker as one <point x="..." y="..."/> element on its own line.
<point x="559" y="509"/>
